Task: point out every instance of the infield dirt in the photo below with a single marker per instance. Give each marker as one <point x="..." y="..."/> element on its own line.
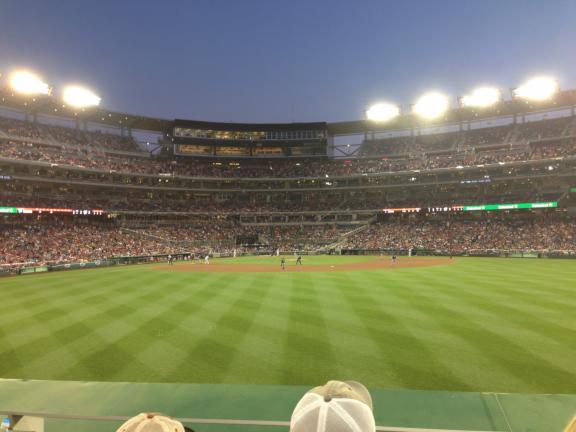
<point x="376" y="264"/>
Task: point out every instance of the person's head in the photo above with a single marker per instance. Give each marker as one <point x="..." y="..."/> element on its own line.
<point x="571" y="427"/>
<point x="337" y="406"/>
<point x="152" y="422"/>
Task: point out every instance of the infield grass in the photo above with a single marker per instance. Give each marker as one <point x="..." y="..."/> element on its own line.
<point x="480" y="324"/>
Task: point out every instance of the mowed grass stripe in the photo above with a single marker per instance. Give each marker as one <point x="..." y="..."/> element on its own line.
<point x="123" y="311"/>
<point x="480" y="324"/>
<point x="163" y="312"/>
<point x="398" y="345"/>
<point x="520" y="309"/>
<point x="33" y="336"/>
<point x="504" y="351"/>
<point x="306" y="341"/>
<point x="113" y="301"/>
<point x="462" y="351"/>
<point x="260" y="353"/>
<point x="361" y="356"/>
<point x="543" y="338"/>
<point x="210" y="357"/>
<point x="357" y="353"/>
<point x="507" y="304"/>
<point x="548" y="277"/>
<point x="527" y="290"/>
<point x="440" y="349"/>
<point x="56" y="294"/>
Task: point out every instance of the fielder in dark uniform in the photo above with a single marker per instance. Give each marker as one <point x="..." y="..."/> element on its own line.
<point x="283" y="264"/>
<point x="299" y="260"/>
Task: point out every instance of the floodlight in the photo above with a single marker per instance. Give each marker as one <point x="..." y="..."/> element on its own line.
<point x="537" y="89"/>
<point x="80" y="97"/>
<point x="382" y="112"/>
<point x="482" y="97"/>
<point x="26" y="82"/>
<point x="431" y="105"/>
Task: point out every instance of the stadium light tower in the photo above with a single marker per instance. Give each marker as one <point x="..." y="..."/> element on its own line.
<point x="26" y="82"/>
<point x="482" y="97"/>
<point x="382" y="112"/>
<point x="431" y="105"/>
<point x="537" y="89"/>
<point x="80" y="97"/>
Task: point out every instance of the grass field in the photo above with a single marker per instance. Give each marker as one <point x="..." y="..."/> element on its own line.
<point x="479" y="324"/>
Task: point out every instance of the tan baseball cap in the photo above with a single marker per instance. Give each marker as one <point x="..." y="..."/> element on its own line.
<point x="151" y="422"/>
<point x="337" y="406"/>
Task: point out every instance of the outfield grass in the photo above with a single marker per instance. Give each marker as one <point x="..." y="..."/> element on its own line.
<point x="480" y="324"/>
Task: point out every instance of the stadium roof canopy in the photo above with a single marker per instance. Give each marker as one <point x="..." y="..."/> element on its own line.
<point x="47" y="105"/>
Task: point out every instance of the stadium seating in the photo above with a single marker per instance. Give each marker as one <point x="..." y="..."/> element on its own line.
<point x="546" y="139"/>
<point x="55" y="240"/>
<point x="324" y="200"/>
<point x="454" y="235"/>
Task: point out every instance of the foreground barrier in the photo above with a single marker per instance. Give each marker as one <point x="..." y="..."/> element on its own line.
<point x="102" y="406"/>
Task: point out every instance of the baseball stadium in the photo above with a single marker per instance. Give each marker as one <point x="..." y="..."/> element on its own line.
<point x="216" y="271"/>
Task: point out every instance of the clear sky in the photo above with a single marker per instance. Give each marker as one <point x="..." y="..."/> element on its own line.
<point x="285" y="60"/>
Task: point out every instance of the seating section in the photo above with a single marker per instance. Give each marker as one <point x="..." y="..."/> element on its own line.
<point x="529" y="141"/>
<point x="61" y="239"/>
<point x="460" y="236"/>
<point x="53" y="240"/>
<point x="66" y="136"/>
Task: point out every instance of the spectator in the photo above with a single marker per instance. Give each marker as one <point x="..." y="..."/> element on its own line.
<point x="336" y="406"/>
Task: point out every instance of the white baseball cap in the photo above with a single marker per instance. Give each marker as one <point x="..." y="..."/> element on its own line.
<point x="337" y="406"/>
<point x="150" y="422"/>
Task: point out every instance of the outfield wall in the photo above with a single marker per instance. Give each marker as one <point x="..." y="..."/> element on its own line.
<point x="147" y="259"/>
<point x="496" y="253"/>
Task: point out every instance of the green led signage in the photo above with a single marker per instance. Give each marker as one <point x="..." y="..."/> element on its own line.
<point x="511" y="206"/>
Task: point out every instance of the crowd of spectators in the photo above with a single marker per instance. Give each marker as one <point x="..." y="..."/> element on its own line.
<point x="82" y="149"/>
<point x="225" y="231"/>
<point x="61" y="239"/>
<point x="80" y="157"/>
<point x="55" y="240"/>
<point x="66" y="136"/>
<point x="545" y="129"/>
<point x="88" y="158"/>
<point x="465" y="236"/>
